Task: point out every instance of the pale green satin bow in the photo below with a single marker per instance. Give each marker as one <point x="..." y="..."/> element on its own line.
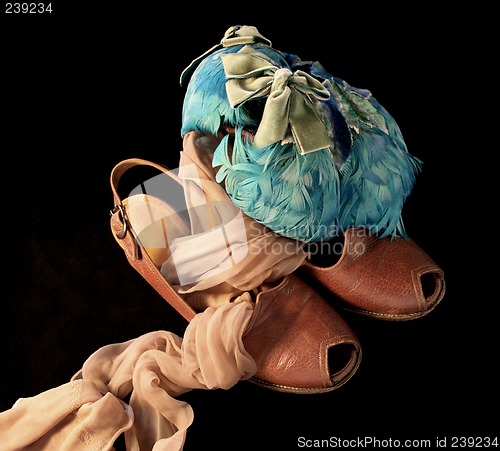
<point x="290" y="105"/>
<point x="235" y="35"/>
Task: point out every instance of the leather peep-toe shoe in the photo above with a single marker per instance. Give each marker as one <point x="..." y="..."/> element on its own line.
<point x="299" y="342"/>
<point x="386" y="278"/>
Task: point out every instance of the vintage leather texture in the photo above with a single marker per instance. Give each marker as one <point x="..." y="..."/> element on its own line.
<point x="387" y="278"/>
<point x="289" y="336"/>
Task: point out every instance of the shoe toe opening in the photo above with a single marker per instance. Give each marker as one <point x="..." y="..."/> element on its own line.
<point x="432" y="287"/>
<point x="343" y="359"/>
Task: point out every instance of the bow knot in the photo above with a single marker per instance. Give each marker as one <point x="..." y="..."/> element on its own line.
<point x="281" y="78"/>
<point x="291" y="99"/>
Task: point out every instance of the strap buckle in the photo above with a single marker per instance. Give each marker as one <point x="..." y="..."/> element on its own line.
<point x="121" y="216"/>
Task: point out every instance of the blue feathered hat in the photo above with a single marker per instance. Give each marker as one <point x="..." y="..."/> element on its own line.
<point x="322" y="155"/>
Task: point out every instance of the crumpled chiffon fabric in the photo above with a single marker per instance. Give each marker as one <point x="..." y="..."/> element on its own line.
<point x="248" y="256"/>
<point x="219" y="253"/>
<point x="132" y="387"/>
<point x="88" y="413"/>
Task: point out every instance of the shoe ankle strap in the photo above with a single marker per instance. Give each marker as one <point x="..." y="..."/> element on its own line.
<point x="131" y="245"/>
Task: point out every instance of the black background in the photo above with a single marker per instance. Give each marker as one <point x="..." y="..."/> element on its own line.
<point x="85" y="88"/>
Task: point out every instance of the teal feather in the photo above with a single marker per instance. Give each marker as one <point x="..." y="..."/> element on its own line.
<point x="379" y="172"/>
<point x="380" y="177"/>
<point x="363" y="179"/>
<point x="206" y="107"/>
<point x="277" y="193"/>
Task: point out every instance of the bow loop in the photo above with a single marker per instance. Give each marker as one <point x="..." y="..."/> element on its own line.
<point x="235" y="35"/>
<point x="291" y="97"/>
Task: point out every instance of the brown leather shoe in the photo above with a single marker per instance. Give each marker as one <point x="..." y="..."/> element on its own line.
<point x="299" y="342"/>
<point x="385" y="278"/>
